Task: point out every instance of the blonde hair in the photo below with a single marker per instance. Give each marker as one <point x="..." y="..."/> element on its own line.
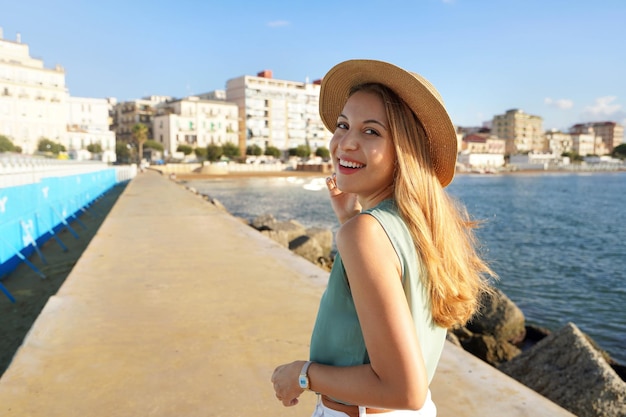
<point x="441" y="228"/>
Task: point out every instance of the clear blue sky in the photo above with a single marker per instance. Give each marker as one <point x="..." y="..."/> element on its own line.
<point x="564" y="60"/>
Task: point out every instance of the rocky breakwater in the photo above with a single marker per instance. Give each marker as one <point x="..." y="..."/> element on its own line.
<point x="565" y="366"/>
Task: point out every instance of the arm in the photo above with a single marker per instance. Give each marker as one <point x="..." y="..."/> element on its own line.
<point x="396" y="378"/>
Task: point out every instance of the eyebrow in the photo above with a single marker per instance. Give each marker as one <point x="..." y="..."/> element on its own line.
<point x="368" y="121"/>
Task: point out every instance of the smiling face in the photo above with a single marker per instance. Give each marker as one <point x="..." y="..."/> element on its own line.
<point x="362" y="149"/>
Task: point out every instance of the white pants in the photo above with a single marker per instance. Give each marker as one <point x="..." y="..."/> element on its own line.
<point x="428" y="410"/>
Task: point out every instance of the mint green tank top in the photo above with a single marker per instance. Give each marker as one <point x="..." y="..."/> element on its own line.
<point x="337" y="338"/>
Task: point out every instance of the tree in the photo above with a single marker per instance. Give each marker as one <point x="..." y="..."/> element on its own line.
<point x="186" y="149"/>
<point x="273" y="151"/>
<point x="140" y="136"/>
<point x="201" y="153"/>
<point x="94" y="148"/>
<point x="322" y="152"/>
<point x="231" y="150"/>
<point x="6" y="145"/>
<point x="122" y="152"/>
<point x="153" y="144"/>
<point x="214" y="152"/>
<point x="303" y="151"/>
<point x="254" y="150"/>
<point x="48" y="146"/>
<point x="619" y="151"/>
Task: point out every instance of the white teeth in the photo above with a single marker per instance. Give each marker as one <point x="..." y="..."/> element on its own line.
<point x="349" y="164"/>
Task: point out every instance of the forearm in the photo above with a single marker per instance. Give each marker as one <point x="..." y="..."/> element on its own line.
<point x="360" y="385"/>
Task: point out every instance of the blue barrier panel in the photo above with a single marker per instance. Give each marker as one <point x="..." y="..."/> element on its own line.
<point x="30" y="214"/>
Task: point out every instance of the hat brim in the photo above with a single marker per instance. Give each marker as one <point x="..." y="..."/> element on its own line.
<point x="415" y="90"/>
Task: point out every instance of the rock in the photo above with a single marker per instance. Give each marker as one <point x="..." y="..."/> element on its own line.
<point x="324" y="237"/>
<point x="567" y="369"/>
<point x="278" y="236"/>
<point x="499" y="317"/>
<point x="291" y="227"/>
<point x="451" y="337"/>
<point x="307" y="247"/>
<point x="217" y="203"/>
<point x="489" y="349"/>
<point x="264" y="222"/>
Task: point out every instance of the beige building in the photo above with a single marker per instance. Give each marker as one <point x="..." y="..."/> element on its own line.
<point x="33" y="99"/>
<point x="126" y="114"/>
<point x="608" y="135"/>
<point x="522" y="132"/>
<point x="283" y="114"/>
<point x="195" y="122"/>
<point x="483" y="143"/>
<point x="88" y="124"/>
<point x="559" y="142"/>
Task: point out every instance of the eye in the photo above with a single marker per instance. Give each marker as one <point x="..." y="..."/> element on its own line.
<point x="370" y="131"/>
<point x="342" y="125"/>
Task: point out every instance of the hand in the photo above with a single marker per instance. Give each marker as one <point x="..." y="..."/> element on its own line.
<point x="285" y="380"/>
<point x="344" y="205"/>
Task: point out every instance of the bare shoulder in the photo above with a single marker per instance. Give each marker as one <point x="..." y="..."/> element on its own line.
<point x="363" y="236"/>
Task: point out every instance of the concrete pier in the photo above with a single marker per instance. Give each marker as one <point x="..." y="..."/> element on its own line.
<point x="177" y="308"/>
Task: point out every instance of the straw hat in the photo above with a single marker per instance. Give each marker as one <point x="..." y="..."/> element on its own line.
<point x="416" y="91"/>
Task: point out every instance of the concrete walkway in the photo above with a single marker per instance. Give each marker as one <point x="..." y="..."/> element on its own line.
<point x="178" y="309"/>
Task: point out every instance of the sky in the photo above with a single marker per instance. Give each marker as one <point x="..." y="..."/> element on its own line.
<point x="563" y="60"/>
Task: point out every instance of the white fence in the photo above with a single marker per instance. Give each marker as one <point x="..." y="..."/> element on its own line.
<point x="18" y="170"/>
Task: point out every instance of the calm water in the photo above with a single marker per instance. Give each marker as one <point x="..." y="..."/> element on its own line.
<point x="558" y="242"/>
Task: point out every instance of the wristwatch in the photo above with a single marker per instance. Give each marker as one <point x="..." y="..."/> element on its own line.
<point x="303" y="380"/>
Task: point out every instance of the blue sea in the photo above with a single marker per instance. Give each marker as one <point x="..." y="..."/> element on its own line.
<point x="557" y="241"/>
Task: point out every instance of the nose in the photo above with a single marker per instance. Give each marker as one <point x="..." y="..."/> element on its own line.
<point x="345" y="139"/>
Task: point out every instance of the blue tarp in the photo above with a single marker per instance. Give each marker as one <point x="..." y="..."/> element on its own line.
<point x="32" y="212"/>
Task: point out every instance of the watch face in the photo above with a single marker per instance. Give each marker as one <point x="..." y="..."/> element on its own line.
<point x="304" y="382"/>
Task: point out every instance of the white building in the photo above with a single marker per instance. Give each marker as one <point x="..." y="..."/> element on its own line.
<point x="88" y="124"/>
<point x="283" y="114"/>
<point x="584" y="143"/>
<point x="33" y="99"/>
<point x="195" y="122"/>
<point x="35" y="104"/>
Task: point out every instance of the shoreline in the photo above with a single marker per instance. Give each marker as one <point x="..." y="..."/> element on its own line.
<point x="317" y="174"/>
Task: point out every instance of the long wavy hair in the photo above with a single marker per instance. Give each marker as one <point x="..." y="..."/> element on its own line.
<point x="440" y="226"/>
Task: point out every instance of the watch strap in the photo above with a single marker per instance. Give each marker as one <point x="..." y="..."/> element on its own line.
<point x="303" y="380"/>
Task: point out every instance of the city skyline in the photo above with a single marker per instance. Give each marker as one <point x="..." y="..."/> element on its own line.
<point x="562" y="61"/>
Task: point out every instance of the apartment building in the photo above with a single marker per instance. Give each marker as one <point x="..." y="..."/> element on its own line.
<point x="33" y="99"/>
<point x="483" y="143"/>
<point x="195" y="122"/>
<point x="88" y="124"/>
<point x="610" y="135"/>
<point x="126" y="114"/>
<point x="279" y="113"/>
<point x="522" y="132"/>
<point x="559" y="142"/>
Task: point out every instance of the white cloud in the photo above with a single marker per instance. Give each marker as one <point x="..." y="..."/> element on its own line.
<point x="562" y="103"/>
<point x="278" y="23"/>
<point x="605" y="108"/>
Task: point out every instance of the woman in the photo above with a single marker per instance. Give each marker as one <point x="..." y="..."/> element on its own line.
<point x="406" y="268"/>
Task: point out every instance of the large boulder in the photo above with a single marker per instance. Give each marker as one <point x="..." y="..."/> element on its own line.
<point x="264" y="222"/>
<point x="499" y="317"/>
<point x="291" y="227"/>
<point x="324" y="237"/>
<point x="566" y="368"/>
<point x="278" y="236"/>
<point x="489" y="349"/>
<point x="308" y="248"/>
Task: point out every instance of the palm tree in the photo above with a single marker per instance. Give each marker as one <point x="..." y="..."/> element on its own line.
<point x="140" y="135"/>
